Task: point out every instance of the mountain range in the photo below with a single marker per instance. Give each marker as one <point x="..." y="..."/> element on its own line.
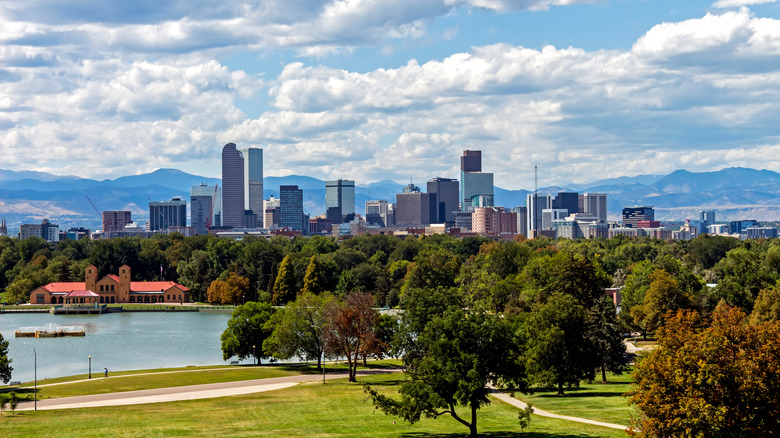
<point x="735" y="193"/>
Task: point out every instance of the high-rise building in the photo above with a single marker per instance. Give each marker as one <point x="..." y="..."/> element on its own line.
<point x="3" y="228"/>
<point x="522" y="219"/>
<point x="414" y="209"/>
<point x="567" y="201"/>
<point x="232" y="214"/>
<point x="291" y="208"/>
<point x="202" y="207"/>
<point x="493" y="221"/>
<point x="474" y="184"/>
<point x="378" y="213"/>
<point x="115" y="221"/>
<point x="45" y="230"/>
<point x="446" y="192"/>
<point x="594" y="204"/>
<point x="534" y="205"/>
<point x="552" y="214"/>
<point x="254" y="181"/>
<point x="167" y="214"/>
<point x="632" y="215"/>
<point x="707" y="218"/>
<point x="272" y="213"/>
<point x="340" y="200"/>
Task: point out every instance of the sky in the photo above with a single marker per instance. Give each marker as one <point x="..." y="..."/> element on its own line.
<point x="371" y="90"/>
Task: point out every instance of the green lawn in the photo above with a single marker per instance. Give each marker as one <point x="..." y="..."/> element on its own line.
<point x="595" y="401"/>
<point x="336" y="409"/>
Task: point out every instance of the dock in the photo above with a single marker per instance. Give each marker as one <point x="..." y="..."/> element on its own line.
<point x="48" y="334"/>
<point x="78" y="310"/>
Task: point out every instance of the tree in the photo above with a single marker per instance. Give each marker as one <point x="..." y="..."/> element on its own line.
<point x="235" y="290"/>
<point x="766" y="307"/>
<point x="718" y="380"/>
<point x="606" y="335"/>
<point x="3" y="403"/>
<point x="349" y="326"/>
<point x="5" y="361"/>
<point x="298" y="329"/>
<point x="662" y="296"/>
<point x="313" y="281"/>
<point x="214" y="292"/>
<point x="560" y="352"/>
<point x="13" y="401"/>
<point x="284" y="287"/>
<point x="247" y="329"/>
<point x="463" y="352"/>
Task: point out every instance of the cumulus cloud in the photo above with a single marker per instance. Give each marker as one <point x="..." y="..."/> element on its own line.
<point x="721" y="4"/>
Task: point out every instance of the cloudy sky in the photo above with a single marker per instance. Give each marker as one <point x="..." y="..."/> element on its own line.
<point x="376" y="89"/>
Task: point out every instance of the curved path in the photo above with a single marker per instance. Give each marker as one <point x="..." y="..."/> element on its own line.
<point x="191" y="392"/>
<point x="506" y="398"/>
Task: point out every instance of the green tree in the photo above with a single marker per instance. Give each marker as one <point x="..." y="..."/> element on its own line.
<point x="5" y="361"/>
<point x="3" y="403"/>
<point x="285" y="288"/>
<point x="463" y="352"/>
<point x="298" y="329"/>
<point x="718" y="380"/>
<point x="560" y="351"/>
<point x="247" y="329"/>
<point x="314" y="280"/>
<point x="741" y="278"/>
<point x="767" y="306"/>
<point x="663" y="295"/>
<point x="13" y="401"/>
<point x="606" y="334"/>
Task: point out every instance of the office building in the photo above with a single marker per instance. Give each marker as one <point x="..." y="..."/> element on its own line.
<point x="414" y="209"/>
<point x="114" y="221"/>
<point x="202" y="207"/>
<point x="594" y="204"/>
<point x="632" y="215"/>
<point x="568" y="201"/>
<point x="340" y="200"/>
<point x="475" y="186"/>
<point x="760" y="232"/>
<point x="379" y="213"/>
<point x="3" y="228"/>
<point x="522" y="219"/>
<point x="272" y="213"/>
<point x="552" y="214"/>
<point x="707" y="216"/>
<point x="738" y="227"/>
<point x="167" y="214"/>
<point x="232" y="214"/>
<point x="493" y="221"/>
<point x="446" y="192"/>
<point x="45" y="230"/>
<point x="291" y="209"/>
<point x="254" y="182"/>
<point x="535" y="204"/>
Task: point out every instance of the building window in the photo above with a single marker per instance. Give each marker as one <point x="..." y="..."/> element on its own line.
<point x="39" y="298"/>
<point x="101" y="288"/>
<point x="112" y="288"/>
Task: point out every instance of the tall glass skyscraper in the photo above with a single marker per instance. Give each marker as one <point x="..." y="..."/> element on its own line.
<point x="291" y="208"/>
<point x="232" y="186"/>
<point x="340" y="200"/>
<point x="474" y="185"/>
<point x="254" y="181"/>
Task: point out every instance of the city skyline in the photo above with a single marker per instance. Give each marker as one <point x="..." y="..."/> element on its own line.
<point x="336" y="89"/>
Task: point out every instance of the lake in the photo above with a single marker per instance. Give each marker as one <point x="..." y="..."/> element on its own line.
<point x="117" y="341"/>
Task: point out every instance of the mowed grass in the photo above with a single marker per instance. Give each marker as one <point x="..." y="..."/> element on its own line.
<point x="335" y="409"/>
<point x="150" y="379"/>
<point x="594" y="401"/>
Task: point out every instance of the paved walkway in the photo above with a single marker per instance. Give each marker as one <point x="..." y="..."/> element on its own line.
<point x="506" y="398"/>
<point x="191" y="392"/>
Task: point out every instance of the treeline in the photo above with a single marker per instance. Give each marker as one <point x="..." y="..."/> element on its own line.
<point x="504" y="276"/>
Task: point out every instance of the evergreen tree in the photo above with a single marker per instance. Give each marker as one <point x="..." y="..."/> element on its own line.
<point x="5" y="361"/>
<point x="314" y="280"/>
<point x="284" y="286"/>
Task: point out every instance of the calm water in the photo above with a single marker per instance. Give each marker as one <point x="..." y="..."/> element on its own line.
<point x="117" y="341"/>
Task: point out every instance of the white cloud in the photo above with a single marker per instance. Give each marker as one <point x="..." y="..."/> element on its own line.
<point x="722" y="4"/>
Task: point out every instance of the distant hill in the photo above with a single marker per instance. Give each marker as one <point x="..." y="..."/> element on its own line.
<point x="27" y="196"/>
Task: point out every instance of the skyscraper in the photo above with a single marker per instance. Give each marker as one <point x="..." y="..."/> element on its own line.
<point x="632" y="215"/>
<point x="595" y="204"/>
<point x="232" y="186"/>
<point x="114" y="221"/>
<point x="567" y="201"/>
<point x="340" y="200"/>
<point x="291" y="208"/>
<point x="254" y="181"/>
<point x="535" y="204"/>
<point x="167" y="214"/>
<point x="202" y="198"/>
<point x="446" y="192"/>
<point x="474" y="183"/>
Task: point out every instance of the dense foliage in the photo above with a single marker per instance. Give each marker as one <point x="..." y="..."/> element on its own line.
<point x="5" y="361"/>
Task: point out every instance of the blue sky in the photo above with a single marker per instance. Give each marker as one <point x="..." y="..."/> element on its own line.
<point x="371" y="90"/>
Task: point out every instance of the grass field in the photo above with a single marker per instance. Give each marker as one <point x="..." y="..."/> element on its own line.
<point x="595" y="401"/>
<point x="336" y="409"/>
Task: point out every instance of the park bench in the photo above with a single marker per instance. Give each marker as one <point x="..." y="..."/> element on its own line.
<point x="233" y="362"/>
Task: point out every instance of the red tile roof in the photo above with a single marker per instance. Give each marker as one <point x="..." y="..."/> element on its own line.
<point x="151" y="286"/>
<point x="82" y="293"/>
<point x="65" y="287"/>
<point x="113" y="277"/>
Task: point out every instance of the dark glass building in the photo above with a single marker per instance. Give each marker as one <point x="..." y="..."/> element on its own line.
<point x="291" y="208"/>
<point x="232" y="186"/>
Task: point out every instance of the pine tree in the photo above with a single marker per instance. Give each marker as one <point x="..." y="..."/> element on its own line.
<point x="313" y="281"/>
<point x="284" y="286"/>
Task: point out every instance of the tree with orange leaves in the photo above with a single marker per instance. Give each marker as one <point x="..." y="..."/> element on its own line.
<point x="349" y="327"/>
<point x="720" y="380"/>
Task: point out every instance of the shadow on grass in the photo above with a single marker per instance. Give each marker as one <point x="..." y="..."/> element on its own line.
<point x="574" y="394"/>
<point x="492" y="435"/>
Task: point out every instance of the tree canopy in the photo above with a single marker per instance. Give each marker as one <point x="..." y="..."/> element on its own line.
<point x="247" y="329"/>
